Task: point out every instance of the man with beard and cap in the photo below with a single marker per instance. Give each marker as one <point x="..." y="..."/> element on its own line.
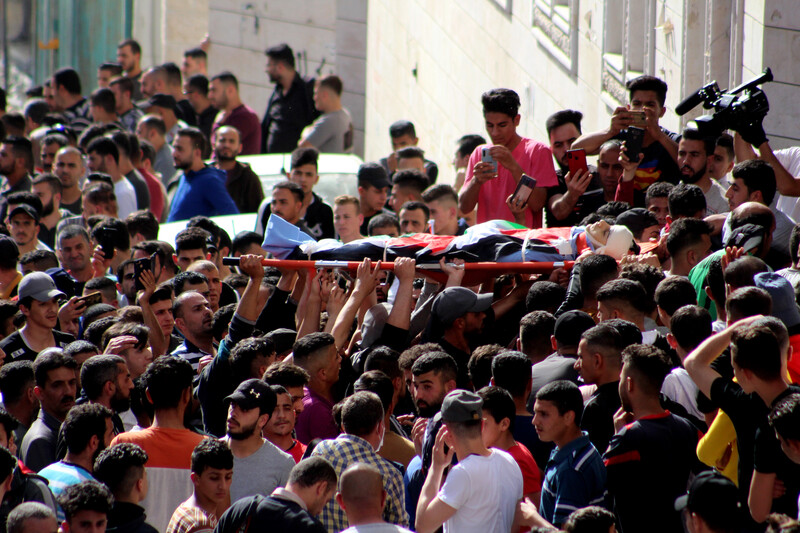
<point x="106" y="380"/>
<point x="258" y="465"/>
<point x="87" y="431"/>
<point x="434" y="378"/>
<point x="694" y="153"/>
<point x="460" y="313"/>
<point x="55" y="387"/>
<point x="243" y="184"/>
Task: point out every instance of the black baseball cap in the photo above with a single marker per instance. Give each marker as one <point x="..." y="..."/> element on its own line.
<point x="167" y="101"/>
<point x="254" y="393"/>
<point x="373" y="174"/>
<point x="26" y="209"/>
<point x="715" y="499"/>
<point x="570" y="326"/>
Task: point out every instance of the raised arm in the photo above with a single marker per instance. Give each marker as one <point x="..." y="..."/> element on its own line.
<point x="366" y="280"/>
<point x="591" y="142"/>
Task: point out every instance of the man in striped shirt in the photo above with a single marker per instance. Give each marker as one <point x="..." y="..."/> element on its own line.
<point x="87" y="430"/>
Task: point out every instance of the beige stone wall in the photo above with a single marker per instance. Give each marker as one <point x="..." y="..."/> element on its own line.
<point x="429" y="62"/>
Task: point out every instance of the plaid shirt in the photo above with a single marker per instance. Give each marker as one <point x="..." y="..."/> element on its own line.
<point x="187" y="517"/>
<point x="345" y="450"/>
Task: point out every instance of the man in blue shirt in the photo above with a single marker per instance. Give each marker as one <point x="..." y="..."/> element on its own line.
<point x="201" y="189"/>
<point x="575" y="476"/>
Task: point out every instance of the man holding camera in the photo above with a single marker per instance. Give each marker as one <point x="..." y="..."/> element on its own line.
<point x="659" y="154"/>
<point x="492" y="178"/>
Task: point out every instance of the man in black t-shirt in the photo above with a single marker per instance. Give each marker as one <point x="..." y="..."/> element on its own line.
<point x="759" y="351"/>
<point x="650" y="444"/>
<point x="38" y="301"/>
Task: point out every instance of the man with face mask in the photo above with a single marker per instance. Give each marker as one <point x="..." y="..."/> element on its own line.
<point x="694" y="154"/>
<point x="363" y="424"/>
<point x="258" y="465"/>
<point x="87" y="431"/>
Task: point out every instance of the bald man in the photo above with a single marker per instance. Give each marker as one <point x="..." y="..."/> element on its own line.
<point x="362" y="496"/>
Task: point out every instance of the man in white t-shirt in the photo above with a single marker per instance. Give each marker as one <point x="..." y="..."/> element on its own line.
<point x="482" y="491"/>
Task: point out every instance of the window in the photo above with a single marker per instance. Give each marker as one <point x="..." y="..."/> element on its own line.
<point x="555" y="25"/>
<point x="628" y="45"/>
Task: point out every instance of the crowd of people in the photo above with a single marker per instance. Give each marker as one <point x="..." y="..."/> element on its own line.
<point x="150" y="386"/>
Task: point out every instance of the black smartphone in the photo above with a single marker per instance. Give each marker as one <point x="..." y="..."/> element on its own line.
<point x="139" y="266"/>
<point x="634" y="137"/>
<point x="106" y="238"/>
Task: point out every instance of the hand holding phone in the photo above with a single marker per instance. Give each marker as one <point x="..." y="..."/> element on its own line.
<point x="139" y="266"/>
<point x="638" y="119"/>
<point x="89" y="300"/>
<point x="524" y="189"/>
<point x="576" y="160"/>
<point x="486" y="157"/>
<point x="634" y="137"/>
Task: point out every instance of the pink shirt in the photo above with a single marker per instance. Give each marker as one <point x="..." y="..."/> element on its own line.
<point x="536" y="161"/>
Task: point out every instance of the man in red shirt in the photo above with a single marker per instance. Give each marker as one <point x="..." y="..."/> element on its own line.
<point x="223" y="92"/>
<point x="514" y="155"/>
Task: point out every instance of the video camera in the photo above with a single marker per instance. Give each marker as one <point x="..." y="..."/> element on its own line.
<point x="736" y="109"/>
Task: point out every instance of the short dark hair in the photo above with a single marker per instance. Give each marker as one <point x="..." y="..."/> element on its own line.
<point x="21" y="148"/>
<point x="440" y="363"/>
<point x="785" y="417"/>
<point x="399" y="128"/>
<point x="757" y="175"/>
<point x="85" y="496"/>
<point x="7" y="463"/>
<point x="83" y="422"/>
<point x="379" y="383"/>
<point x="410" y="178"/>
<point x="604" y="339"/>
<point x="685" y="233"/>
<point x="690" y="325"/>
<point x="565" y="396"/>
<point x="25" y="197"/>
<point x="304" y="156"/>
<point x="211" y="453"/>
<point x="755" y="347"/>
<point x="94" y="331"/>
<point x="384" y="359"/>
<point x="629" y="332"/>
<point x="122" y="241"/>
<point x="9" y="424"/>
<point x="69" y="79"/>
<point x="467" y="144"/>
<point x="119" y="467"/>
<point x="51" y="180"/>
<point x="50" y="359"/>
<point x="440" y="191"/>
<point x="182" y="279"/>
<point x="595" y="271"/>
<point x="589" y="520"/>
<point x="748" y="301"/>
<point x="361" y="412"/>
<point x="283" y="53"/>
<point x="659" y="189"/>
<point x="36" y="109"/>
<point x="673" y="293"/>
<point x="479" y="365"/>
<point x="154" y="122"/>
<point x="244" y="239"/>
<point x="246" y="352"/>
<point x="166" y="379"/>
<point x="545" y="296"/>
<point x="511" y="370"/>
<point x="503" y="101"/>
<point x="311" y="471"/>
<point x="15" y="378"/>
<point x="310" y="346"/>
<point x="649" y="276"/>
<point x="198" y="82"/>
<point x="227" y="77"/>
<point x="286" y="374"/>
<point x="104" y="146"/>
<point x="104" y="98"/>
<point x="135" y="47"/>
<point x="195" y="53"/>
<point x="332" y="82"/>
<point x="624" y="290"/>
<point x="173" y="73"/>
<point x="132" y="329"/>
<point x="565" y="116"/>
<point x="417" y="206"/>
<point x="499" y="404"/>
<point x="125" y="84"/>
<point x="193" y="238"/>
<point x="693" y="134"/>
<point x="686" y="200"/>
<point x="535" y="330"/>
<point x="382" y="220"/>
<point x="143" y="222"/>
<point x="292" y="187"/>
<point x="97" y="371"/>
<point x="649" y="364"/>
<point x="725" y="141"/>
<point x="196" y="136"/>
<point x="742" y="271"/>
<point x="41" y="259"/>
<point x="648" y="83"/>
